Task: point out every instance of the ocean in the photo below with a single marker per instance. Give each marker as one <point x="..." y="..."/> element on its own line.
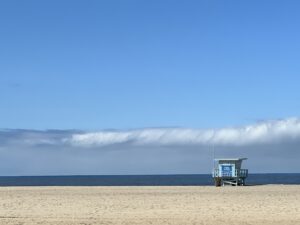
<point x="141" y="180"/>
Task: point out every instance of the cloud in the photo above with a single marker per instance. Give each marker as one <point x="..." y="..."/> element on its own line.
<point x="267" y="132"/>
<point x="271" y="146"/>
<point x="31" y="138"/>
<point x="259" y="133"/>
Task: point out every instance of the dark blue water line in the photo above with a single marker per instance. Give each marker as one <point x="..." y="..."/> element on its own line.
<point x="141" y="180"/>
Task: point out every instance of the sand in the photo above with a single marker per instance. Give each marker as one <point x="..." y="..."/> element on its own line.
<point x="269" y="204"/>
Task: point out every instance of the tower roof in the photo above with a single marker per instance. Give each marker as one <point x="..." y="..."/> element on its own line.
<point x="230" y="159"/>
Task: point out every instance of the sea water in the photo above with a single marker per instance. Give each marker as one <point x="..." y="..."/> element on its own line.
<point x="141" y="180"/>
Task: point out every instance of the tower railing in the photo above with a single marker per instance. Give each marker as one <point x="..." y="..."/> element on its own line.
<point x="242" y="173"/>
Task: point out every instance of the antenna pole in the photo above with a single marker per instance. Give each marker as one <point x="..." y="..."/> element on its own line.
<point x="213" y="148"/>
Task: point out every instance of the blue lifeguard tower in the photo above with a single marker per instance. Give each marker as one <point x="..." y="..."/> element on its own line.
<point x="229" y="171"/>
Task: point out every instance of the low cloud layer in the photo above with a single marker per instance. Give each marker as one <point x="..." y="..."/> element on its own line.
<point x="151" y="150"/>
<point x="268" y="132"/>
<point x="260" y="133"/>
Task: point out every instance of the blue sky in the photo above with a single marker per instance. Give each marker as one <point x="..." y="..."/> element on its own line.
<point x="143" y="87"/>
<point x="132" y="64"/>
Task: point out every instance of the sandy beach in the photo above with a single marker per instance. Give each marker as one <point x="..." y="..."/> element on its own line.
<point x="268" y="204"/>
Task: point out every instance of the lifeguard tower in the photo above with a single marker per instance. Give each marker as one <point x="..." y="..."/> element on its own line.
<point x="229" y="171"/>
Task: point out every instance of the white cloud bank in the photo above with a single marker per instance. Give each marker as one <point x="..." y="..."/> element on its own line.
<point x="268" y="132"/>
<point x="259" y="133"/>
<point x="271" y="146"/>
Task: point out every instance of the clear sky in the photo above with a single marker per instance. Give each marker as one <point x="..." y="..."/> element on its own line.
<point x="132" y="64"/>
